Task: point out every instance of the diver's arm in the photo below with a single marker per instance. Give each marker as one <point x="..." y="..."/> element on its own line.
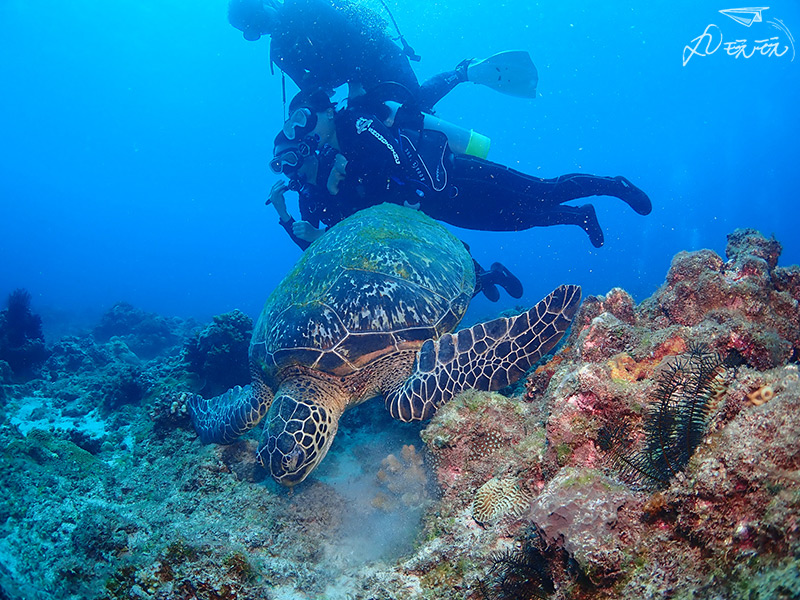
<point x="277" y="199"/>
<point x="305" y="231"/>
<point x="337" y="174"/>
<point x="438" y="86"/>
<point x="290" y="226"/>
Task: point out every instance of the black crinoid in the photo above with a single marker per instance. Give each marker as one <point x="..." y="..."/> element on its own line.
<point x="687" y="395"/>
<point x="21" y="340"/>
<point x="19" y="323"/>
<point x="521" y="573"/>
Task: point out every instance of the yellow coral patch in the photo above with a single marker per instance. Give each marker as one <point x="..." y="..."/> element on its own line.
<point x="625" y="368"/>
<point x="762" y="395"/>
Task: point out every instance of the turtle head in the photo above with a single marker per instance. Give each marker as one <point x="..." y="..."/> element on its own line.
<point x="299" y="429"/>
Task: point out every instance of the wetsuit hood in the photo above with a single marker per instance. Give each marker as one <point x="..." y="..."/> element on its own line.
<point x="316" y="99"/>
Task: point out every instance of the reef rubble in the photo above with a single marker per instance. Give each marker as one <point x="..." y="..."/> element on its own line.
<point x="541" y="491"/>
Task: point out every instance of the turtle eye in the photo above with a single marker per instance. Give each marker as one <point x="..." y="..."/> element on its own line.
<point x="296" y="457"/>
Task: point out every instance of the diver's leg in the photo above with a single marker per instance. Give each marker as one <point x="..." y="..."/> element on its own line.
<point x="578" y="185"/>
<point x="584" y="217"/>
<point x="482" y="280"/>
<point x="492" y="197"/>
<point x="499" y="274"/>
<point x="487" y="281"/>
<point x="556" y="190"/>
<point x="483" y="283"/>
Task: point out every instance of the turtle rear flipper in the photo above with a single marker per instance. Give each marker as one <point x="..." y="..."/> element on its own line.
<point x="487" y="356"/>
<point x="223" y="418"/>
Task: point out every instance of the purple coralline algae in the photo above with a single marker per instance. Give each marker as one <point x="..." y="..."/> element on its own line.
<point x="109" y="494"/>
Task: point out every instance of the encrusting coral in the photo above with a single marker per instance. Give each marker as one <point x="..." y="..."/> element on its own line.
<point x="761" y="395"/>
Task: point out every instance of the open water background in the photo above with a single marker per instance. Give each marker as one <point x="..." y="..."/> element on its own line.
<point x="134" y="138"/>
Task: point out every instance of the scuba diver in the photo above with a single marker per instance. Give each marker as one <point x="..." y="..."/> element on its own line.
<point x="327" y="43"/>
<point x="346" y="160"/>
<point x="302" y="165"/>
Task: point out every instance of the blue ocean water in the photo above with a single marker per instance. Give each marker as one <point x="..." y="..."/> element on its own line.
<point x="135" y="134"/>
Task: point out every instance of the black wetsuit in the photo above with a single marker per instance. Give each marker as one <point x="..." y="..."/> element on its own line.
<point x="322" y="44"/>
<point x="374" y="174"/>
<point x="327" y="43"/>
<point x="491" y="197"/>
<point x="418" y="169"/>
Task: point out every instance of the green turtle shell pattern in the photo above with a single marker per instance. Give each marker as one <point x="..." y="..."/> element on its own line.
<point x="346" y="304"/>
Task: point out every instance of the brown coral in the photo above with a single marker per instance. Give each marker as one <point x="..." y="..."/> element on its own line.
<point x="499" y="498"/>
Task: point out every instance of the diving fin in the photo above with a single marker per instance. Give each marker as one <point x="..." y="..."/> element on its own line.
<point x="512" y="73"/>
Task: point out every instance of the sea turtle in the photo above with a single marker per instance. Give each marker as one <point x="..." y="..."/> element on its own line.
<point x="367" y="311"/>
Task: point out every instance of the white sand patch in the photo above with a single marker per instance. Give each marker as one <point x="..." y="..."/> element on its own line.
<point x="42" y="413"/>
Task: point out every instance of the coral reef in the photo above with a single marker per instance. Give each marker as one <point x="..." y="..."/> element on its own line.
<point x="146" y="334"/>
<point x="218" y="353"/>
<point x="84" y="374"/>
<point x="109" y="494"/>
<point x="127" y="385"/>
<point x="749" y="296"/>
<point x="588" y="515"/>
<point x="620" y="364"/>
<point x="21" y="340"/>
<point x="479" y="436"/>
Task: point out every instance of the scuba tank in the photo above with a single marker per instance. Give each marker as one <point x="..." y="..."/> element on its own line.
<point x="461" y="140"/>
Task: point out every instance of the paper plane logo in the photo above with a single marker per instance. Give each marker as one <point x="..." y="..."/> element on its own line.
<point x="745" y="16"/>
<point x="711" y="40"/>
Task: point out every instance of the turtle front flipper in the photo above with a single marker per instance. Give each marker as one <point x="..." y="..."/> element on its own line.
<point x="223" y="418"/>
<point x="487" y="356"/>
